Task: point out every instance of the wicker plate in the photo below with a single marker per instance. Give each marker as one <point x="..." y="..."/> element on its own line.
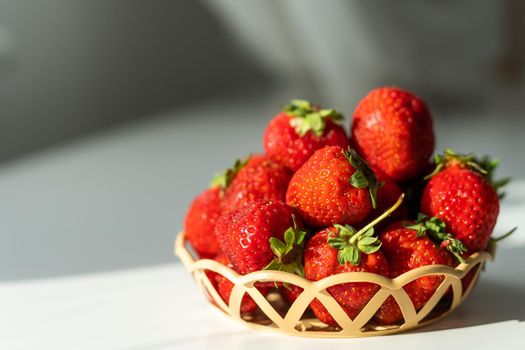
<point x="276" y="315"/>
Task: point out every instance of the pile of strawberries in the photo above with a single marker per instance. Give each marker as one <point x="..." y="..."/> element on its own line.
<point x="319" y="203"/>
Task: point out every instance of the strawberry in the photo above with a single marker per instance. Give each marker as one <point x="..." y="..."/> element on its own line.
<point x="224" y="287"/>
<point x="334" y="186"/>
<point x="258" y="178"/>
<point x="295" y="134"/>
<point x="199" y="223"/>
<point x="461" y="194"/>
<point x="408" y="246"/>
<point x="337" y="250"/>
<point x="392" y="131"/>
<point x="252" y="237"/>
<point x="290" y="292"/>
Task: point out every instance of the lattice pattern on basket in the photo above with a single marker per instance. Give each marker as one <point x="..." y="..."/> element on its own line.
<point x="290" y="320"/>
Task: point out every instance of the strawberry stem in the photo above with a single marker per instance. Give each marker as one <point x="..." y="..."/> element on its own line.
<point x="380" y="217"/>
<point x="351" y="243"/>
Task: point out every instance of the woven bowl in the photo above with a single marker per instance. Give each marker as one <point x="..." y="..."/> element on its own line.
<point x="276" y="315"/>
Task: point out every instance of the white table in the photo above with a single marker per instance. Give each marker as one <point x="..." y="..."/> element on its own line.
<point x="160" y="308"/>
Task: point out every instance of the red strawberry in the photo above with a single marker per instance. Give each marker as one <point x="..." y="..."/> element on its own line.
<point x="409" y="247"/>
<point x="333" y="186"/>
<point x="224" y="286"/>
<point x="290" y="292"/>
<point x="259" y="178"/>
<point x="199" y="223"/>
<point x="392" y="131"/>
<point x="302" y="128"/>
<point x="252" y="237"/>
<point x="461" y="194"/>
<point x="332" y="251"/>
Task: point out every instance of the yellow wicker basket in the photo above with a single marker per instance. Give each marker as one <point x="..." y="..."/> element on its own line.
<point x="276" y="315"/>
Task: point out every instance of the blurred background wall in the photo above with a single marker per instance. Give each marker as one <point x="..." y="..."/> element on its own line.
<point x="114" y="114"/>
<point x="68" y="67"/>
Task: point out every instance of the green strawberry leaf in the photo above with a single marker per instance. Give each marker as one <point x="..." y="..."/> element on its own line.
<point x="355" y="255"/>
<point x="367" y="241"/>
<point x="490" y="165"/>
<point x="337" y="243"/>
<point x="363" y="177"/>
<point x="435" y="229"/>
<point x="274" y="265"/>
<point x="277" y="246"/>
<point x="306" y="117"/>
<point x="349" y="254"/>
<point x="289" y="239"/>
<point x="505" y="235"/>
<point x="358" y="180"/>
<point x="369" y="233"/>
<point x="371" y="248"/>
<point x="485" y="166"/>
<point x="288" y="254"/>
<point x="224" y="178"/>
<point x="351" y="243"/>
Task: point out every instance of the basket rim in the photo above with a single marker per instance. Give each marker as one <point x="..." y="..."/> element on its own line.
<point x="287" y="324"/>
<point x="459" y="271"/>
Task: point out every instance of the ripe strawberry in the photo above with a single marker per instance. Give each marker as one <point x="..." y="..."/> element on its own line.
<point x="333" y="186"/>
<point x="252" y="237"/>
<point x="302" y="128"/>
<point x="408" y="247"/>
<point x="461" y="194"/>
<point x="199" y="223"/>
<point x="259" y="178"/>
<point x="290" y="292"/>
<point x="336" y="250"/>
<point x="224" y="286"/>
<point x="392" y="131"/>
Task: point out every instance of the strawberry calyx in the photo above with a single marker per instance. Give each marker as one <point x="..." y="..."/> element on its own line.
<point x="306" y="117"/>
<point x="225" y="177"/>
<point x="503" y="236"/>
<point x="435" y="229"/>
<point x="485" y="166"/>
<point x="350" y="243"/>
<point x="450" y="157"/>
<point x="363" y="177"/>
<point x="288" y="254"/>
<point x="489" y="165"/>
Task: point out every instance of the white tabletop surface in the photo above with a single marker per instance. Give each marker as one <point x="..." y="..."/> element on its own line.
<point x="161" y="308"/>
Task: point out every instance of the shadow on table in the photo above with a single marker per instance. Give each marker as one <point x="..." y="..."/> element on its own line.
<point x="498" y="297"/>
